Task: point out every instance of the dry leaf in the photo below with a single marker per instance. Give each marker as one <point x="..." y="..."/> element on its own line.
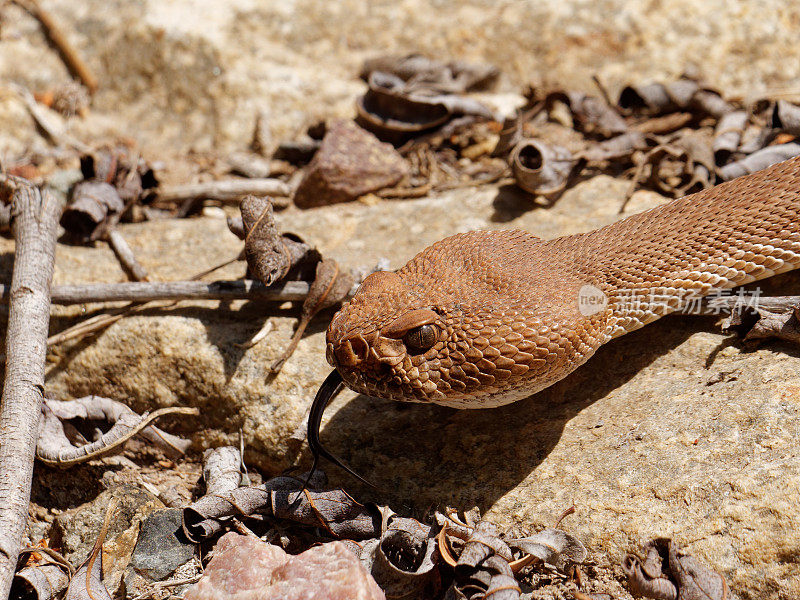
<point x="54" y="448"/>
<point x="786" y="117"/>
<point x="659" y="98"/>
<point x="222" y="469"/>
<point x="554" y="547"/>
<point x="272" y="256"/>
<point x="43" y="579"/>
<point x="396" y="111"/>
<point x="592" y="115"/>
<point x="453" y="77"/>
<point x="330" y="286"/>
<point x="728" y="135"/>
<point x="87" y="583"/>
<point x="619" y="147"/>
<point x="92" y="203"/>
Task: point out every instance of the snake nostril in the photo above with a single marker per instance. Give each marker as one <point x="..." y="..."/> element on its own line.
<point x="350" y="352"/>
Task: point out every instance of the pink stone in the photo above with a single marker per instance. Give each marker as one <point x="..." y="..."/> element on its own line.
<point x="244" y="568"/>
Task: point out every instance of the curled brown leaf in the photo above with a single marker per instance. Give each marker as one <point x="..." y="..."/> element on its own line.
<point x="453" y="77"/>
<point x="54" y="448"/>
<point x="659" y="98"/>
<point x="785" y="117"/>
<point x="332" y="510"/>
<point x="270" y="255"/>
<point x="92" y="203"/>
<point x="331" y="285"/>
<point x="541" y="168"/>
<point x="759" y="160"/>
<point x="728" y="135"/>
<point x="670" y="574"/>
<point x="591" y="114"/>
<point x="222" y="469"/>
<point x="553" y="547"/>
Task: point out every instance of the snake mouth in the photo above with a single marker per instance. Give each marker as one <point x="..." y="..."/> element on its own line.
<point x="373" y="376"/>
<point x="376" y="382"/>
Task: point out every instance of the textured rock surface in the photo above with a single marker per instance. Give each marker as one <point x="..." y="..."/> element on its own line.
<point x="350" y="162"/>
<point x="245" y="568"/>
<point x="638" y="438"/>
<point x="76" y="530"/>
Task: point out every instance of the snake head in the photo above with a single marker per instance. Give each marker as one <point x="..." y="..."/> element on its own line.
<point x="474" y="321"/>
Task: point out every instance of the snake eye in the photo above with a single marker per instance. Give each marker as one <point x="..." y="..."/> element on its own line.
<point x="420" y="338"/>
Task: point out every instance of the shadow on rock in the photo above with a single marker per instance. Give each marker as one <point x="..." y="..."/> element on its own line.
<point x="511" y="203"/>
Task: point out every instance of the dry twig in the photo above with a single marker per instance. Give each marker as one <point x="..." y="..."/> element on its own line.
<point x="74" y="63"/>
<point x="225" y="190"/>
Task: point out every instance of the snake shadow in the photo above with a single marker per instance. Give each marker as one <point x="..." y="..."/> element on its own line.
<point x="421" y="456"/>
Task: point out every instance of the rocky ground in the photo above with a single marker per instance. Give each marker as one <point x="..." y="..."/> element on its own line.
<point x="673" y="431"/>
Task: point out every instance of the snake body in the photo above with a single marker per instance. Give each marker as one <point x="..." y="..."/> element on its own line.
<point x="485" y="318"/>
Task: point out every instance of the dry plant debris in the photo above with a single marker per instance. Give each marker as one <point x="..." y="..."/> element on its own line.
<point x="87" y="582"/>
<point x="273" y="256"/>
<point x="45" y="574"/>
<point x="667" y="573"/>
<point x="407" y="558"/>
<point x="55" y="448"/>
<point x="222" y="469"/>
<point x="773" y="318"/>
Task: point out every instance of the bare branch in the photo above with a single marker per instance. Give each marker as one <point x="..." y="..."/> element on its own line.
<point x="35" y="215"/>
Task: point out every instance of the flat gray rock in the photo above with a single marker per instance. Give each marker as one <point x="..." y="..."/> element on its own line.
<point x="161" y="546"/>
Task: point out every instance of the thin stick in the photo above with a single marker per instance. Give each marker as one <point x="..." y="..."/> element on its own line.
<point x="225" y="190"/>
<point x="603" y="91"/>
<point x="145" y="291"/>
<point x="69" y="55"/>
<point x="297" y="291"/>
<point x="34" y="223"/>
<point x="132" y="267"/>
